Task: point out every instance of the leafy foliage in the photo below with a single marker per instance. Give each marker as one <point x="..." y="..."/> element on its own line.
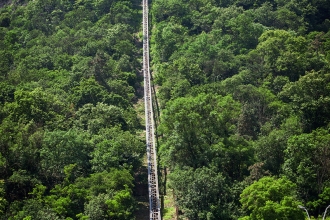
<point x="68" y="84"/>
<point x="271" y="198"/>
<point x="202" y="193"/>
<point x="240" y="82"/>
<point x="243" y="87"/>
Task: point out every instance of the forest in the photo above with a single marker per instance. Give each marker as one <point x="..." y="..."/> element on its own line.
<point x="70" y="136"/>
<point x="243" y="93"/>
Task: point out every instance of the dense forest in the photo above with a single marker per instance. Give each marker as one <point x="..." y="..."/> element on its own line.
<point x="70" y="136"/>
<point x="244" y="92"/>
<point x="243" y="88"/>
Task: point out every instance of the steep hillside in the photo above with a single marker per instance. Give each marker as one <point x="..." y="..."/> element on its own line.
<point x="69" y="135"/>
<point x="243" y="88"/>
<point x="244" y="92"/>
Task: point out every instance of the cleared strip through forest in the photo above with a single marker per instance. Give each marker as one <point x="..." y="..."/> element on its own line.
<point x="154" y="202"/>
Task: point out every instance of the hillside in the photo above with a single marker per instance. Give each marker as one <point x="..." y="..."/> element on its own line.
<point x="245" y="102"/>
<point x="244" y="94"/>
<point x="70" y="138"/>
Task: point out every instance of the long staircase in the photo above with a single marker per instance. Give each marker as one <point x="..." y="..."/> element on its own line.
<point x="154" y="202"/>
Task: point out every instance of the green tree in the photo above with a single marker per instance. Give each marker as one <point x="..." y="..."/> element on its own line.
<point x="89" y="91"/>
<point x="167" y="38"/>
<point x="193" y="127"/>
<point x="43" y="108"/>
<point x="121" y="205"/>
<point x="258" y="107"/>
<point x="200" y="131"/>
<point x="307" y="164"/>
<point x="310" y="95"/>
<point x="94" y="118"/>
<point x="5" y="63"/>
<point x="284" y="53"/>
<point x="270" y="148"/>
<point x="110" y="195"/>
<point x="62" y="148"/>
<point x="271" y="198"/>
<point x="245" y="31"/>
<point x="122" y="12"/>
<point x="178" y="10"/>
<point x="201" y="193"/>
<point x="115" y="148"/>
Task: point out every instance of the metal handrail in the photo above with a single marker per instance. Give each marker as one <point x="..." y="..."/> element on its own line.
<point x="154" y="202"/>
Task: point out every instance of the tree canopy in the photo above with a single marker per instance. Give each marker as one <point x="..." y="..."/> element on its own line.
<point x="70" y="134"/>
<point x="243" y="91"/>
<point x="242" y="88"/>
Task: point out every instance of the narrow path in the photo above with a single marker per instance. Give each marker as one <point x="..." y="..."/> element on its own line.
<point x="154" y="202"/>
